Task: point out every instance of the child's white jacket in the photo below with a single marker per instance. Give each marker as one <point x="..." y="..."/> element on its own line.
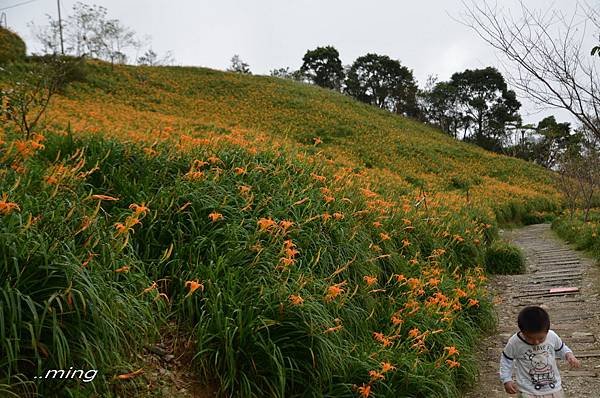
<point x="535" y="365"/>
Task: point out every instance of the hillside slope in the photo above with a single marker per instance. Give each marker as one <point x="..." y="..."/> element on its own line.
<point x="398" y="153"/>
<point x="273" y="238"/>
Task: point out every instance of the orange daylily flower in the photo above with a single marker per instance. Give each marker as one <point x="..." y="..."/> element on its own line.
<point x="139" y="209"/>
<point x="123" y="269"/>
<point x="451" y="350"/>
<point x="266" y="223"/>
<point x="296" y="299"/>
<point x="214" y="159"/>
<point x="433" y="282"/>
<point x="370" y="280"/>
<point x="290" y="252"/>
<point x="288" y="244"/>
<point x="7" y="207"/>
<point x="239" y="170"/>
<point x="384" y="236"/>
<point x="334" y="290"/>
<point x="472" y="302"/>
<point x="377" y="224"/>
<point x="365" y="390"/>
<point x="338" y="216"/>
<point x="326" y="216"/>
<point x="199" y="164"/>
<point x="386" y="367"/>
<point x="382" y="339"/>
<point x="328" y="199"/>
<point x="285" y="224"/>
<point x="121" y="229"/>
<point x="215" y="216"/>
<point x="287" y="261"/>
<point x="452" y="364"/>
<point x="151" y="287"/>
<point x="414" y="332"/>
<point x="368" y="193"/>
<point x="318" y="177"/>
<point x="193" y="286"/>
<point x="414" y="283"/>
<point x="375" y="375"/>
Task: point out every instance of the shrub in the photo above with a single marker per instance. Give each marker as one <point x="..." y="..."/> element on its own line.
<point x="537" y="218"/>
<point x="12" y="47"/>
<point x="504" y="258"/>
<point x="65" y="68"/>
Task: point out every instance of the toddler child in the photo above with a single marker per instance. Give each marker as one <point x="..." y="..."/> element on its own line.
<point x="531" y="352"/>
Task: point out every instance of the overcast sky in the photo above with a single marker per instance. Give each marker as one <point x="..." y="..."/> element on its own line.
<point x="269" y="34"/>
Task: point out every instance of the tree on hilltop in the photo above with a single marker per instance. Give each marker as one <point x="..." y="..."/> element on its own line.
<point x="322" y="66"/>
<point x="381" y="81"/>
<point x="89" y="32"/>
<point x="239" y="66"/>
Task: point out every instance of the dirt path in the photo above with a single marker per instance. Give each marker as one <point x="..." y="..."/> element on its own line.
<point x="575" y="316"/>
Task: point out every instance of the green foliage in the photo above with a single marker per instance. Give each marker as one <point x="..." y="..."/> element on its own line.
<point x="584" y="235"/>
<point x="323" y="67"/>
<point x="65" y="69"/>
<point x="12" y="47"/>
<point x="67" y="307"/>
<point x="239" y="66"/>
<point x="538" y="218"/>
<point x="29" y="87"/>
<point x="381" y="81"/>
<point x="545" y="143"/>
<point x="61" y="305"/>
<point x="504" y="258"/>
<point x="477" y="102"/>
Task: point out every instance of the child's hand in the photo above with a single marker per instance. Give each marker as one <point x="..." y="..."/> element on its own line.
<point x="573" y="362"/>
<point x="510" y="387"/>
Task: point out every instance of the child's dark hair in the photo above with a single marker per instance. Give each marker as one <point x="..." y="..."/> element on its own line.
<point x="533" y="319"/>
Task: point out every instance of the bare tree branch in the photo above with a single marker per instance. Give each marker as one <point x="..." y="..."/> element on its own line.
<point x="553" y="66"/>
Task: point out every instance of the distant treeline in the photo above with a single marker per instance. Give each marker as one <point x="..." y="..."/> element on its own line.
<point x="473" y="105"/>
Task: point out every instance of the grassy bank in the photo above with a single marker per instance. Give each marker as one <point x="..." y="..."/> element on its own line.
<point x="299" y="285"/>
<point x="309" y="245"/>
<point x="585" y="235"/>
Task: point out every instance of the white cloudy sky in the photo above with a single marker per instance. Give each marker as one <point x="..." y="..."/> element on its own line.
<point x="269" y="34"/>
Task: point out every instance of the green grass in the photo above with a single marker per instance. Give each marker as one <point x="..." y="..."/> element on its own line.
<point x="248" y="335"/>
<point x="585" y="236"/>
<point x="504" y="258"/>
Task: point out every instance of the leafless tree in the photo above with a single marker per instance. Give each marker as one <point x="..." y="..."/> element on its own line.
<point x="25" y="99"/>
<point x="579" y="175"/>
<point x="549" y="51"/>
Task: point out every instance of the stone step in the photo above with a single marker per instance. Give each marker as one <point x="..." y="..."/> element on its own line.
<point x="555" y="273"/>
<point x="572" y="262"/>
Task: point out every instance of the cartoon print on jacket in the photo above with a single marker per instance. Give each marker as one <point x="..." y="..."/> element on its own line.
<point x="540" y="370"/>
